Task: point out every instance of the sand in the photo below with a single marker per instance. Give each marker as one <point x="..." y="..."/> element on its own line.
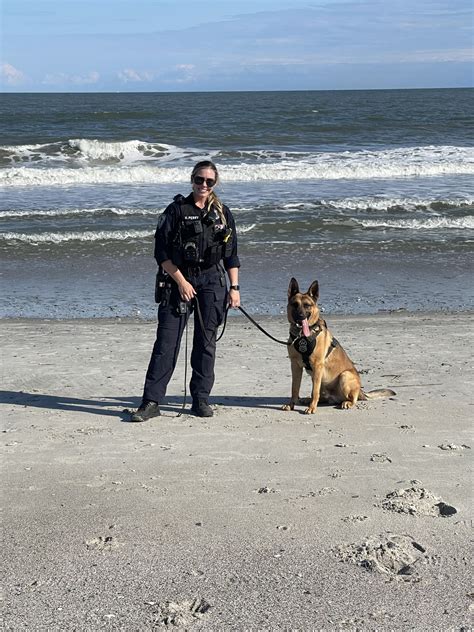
<point x="255" y="519"/>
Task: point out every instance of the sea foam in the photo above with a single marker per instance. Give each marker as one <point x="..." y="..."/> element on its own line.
<point x="88" y="235"/>
<point x="396" y="163"/>
<point x="432" y="223"/>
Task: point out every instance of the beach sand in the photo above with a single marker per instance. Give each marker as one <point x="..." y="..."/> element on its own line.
<point x="255" y="519"/>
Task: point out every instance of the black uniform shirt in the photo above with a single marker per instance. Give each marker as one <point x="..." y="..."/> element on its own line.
<point x="167" y="227"/>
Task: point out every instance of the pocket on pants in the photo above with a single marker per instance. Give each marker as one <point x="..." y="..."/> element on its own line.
<point x="220" y="303"/>
<point x="212" y="306"/>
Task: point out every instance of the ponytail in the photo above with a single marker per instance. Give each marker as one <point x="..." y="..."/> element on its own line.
<point x="213" y="201"/>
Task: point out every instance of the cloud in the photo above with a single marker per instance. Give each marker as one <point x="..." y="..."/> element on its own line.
<point x="92" y="77"/>
<point x="11" y="75"/>
<point x="458" y="55"/>
<point x="178" y="74"/>
<point x="292" y="48"/>
<point x="130" y="75"/>
<point x="312" y="60"/>
<point x="61" y="78"/>
<point x="183" y="73"/>
<point x="306" y="39"/>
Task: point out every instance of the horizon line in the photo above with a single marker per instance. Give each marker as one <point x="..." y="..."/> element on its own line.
<point x="3" y="92"/>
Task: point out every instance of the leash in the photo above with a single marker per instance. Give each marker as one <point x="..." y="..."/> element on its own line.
<point x="201" y="322"/>
<point x="185" y="364"/>
<point x="334" y="342"/>
<point x="280" y="342"/>
<point x="187" y="315"/>
<point x="198" y="310"/>
<point x="203" y="330"/>
<point x="224" y="324"/>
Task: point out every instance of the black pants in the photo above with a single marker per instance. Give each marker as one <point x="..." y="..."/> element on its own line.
<point x="211" y="293"/>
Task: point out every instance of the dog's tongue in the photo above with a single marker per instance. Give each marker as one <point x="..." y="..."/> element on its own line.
<point x="305" y="326"/>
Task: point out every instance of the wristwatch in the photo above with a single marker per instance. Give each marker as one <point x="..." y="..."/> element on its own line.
<point x="235" y="287"/>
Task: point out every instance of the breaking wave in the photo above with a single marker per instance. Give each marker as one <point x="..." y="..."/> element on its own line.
<point x="85" y="161"/>
<point x="88" y="235"/>
<point x="341" y="205"/>
<point x="432" y="223"/>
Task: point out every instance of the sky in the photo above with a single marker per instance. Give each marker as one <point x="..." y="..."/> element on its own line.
<point x="185" y="45"/>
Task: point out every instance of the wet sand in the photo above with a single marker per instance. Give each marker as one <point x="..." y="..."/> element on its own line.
<point x="255" y="519"/>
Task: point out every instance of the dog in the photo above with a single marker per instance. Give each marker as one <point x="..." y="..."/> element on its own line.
<point x="311" y="346"/>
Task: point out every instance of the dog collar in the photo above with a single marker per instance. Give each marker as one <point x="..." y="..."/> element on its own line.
<point x="315" y="330"/>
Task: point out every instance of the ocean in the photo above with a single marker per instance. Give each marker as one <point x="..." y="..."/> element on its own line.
<point x="369" y="192"/>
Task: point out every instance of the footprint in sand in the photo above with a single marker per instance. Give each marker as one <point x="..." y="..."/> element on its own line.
<point x="453" y="447"/>
<point x="390" y="554"/>
<point x="417" y="501"/>
<point x="101" y="543"/>
<point x="380" y="458"/>
<point x="353" y="518"/>
<point x="181" y="614"/>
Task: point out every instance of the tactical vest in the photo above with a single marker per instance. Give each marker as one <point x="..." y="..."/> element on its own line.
<point x="198" y="242"/>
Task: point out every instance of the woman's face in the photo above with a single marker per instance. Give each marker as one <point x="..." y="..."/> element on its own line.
<point x="203" y="182"/>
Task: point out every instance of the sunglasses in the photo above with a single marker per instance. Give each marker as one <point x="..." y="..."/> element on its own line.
<point x="200" y="180"/>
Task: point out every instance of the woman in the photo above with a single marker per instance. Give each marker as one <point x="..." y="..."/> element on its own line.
<point x="195" y="239"/>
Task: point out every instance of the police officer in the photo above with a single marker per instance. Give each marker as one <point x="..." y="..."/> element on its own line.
<point x="194" y="242"/>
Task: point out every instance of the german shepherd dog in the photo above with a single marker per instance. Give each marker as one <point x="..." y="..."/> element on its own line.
<point x="311" y="346"/>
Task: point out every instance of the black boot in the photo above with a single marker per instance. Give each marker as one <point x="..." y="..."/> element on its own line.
<point x="201" y="408"/>
<point x="146" y="411"/>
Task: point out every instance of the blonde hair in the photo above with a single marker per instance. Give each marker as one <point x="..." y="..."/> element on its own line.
<point x="213" y="200"/>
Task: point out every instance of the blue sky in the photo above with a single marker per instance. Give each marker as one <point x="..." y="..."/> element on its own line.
<point x="184" y="45"/>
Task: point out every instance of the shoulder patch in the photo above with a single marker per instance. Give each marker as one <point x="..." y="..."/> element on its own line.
<point x="161" y="220"/>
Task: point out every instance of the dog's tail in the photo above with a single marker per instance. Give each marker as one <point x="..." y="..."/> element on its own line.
<point x="376" y="393"/>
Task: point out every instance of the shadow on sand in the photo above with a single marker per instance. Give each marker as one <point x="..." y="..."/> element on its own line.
<point x="95" y="406"/>
<point x="101" y="406"/>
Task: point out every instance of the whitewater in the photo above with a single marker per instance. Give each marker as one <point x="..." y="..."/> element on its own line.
<point x="370" y="192"/>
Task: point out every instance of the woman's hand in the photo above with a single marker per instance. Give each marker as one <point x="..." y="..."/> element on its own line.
<point x="234" y="298"/>
<point x="186" y="290"/>
<point x="234" y="294"/>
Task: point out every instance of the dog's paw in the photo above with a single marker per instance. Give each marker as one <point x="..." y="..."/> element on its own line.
<point x="347" y="404"/>
<point x="287" y="407"/>
<point x="310" y="410"/>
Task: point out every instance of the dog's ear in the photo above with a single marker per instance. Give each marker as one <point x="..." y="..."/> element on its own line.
<point x="293" y="288"/>
<point x="314" y="290"/>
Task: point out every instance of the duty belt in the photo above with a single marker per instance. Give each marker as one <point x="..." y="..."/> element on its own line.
<point x="197" y="270"/>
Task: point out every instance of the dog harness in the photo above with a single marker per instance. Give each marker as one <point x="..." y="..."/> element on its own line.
<point x="305" y="344"/>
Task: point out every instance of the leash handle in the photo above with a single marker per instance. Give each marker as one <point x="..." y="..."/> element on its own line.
<point x="280" y="342"/>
